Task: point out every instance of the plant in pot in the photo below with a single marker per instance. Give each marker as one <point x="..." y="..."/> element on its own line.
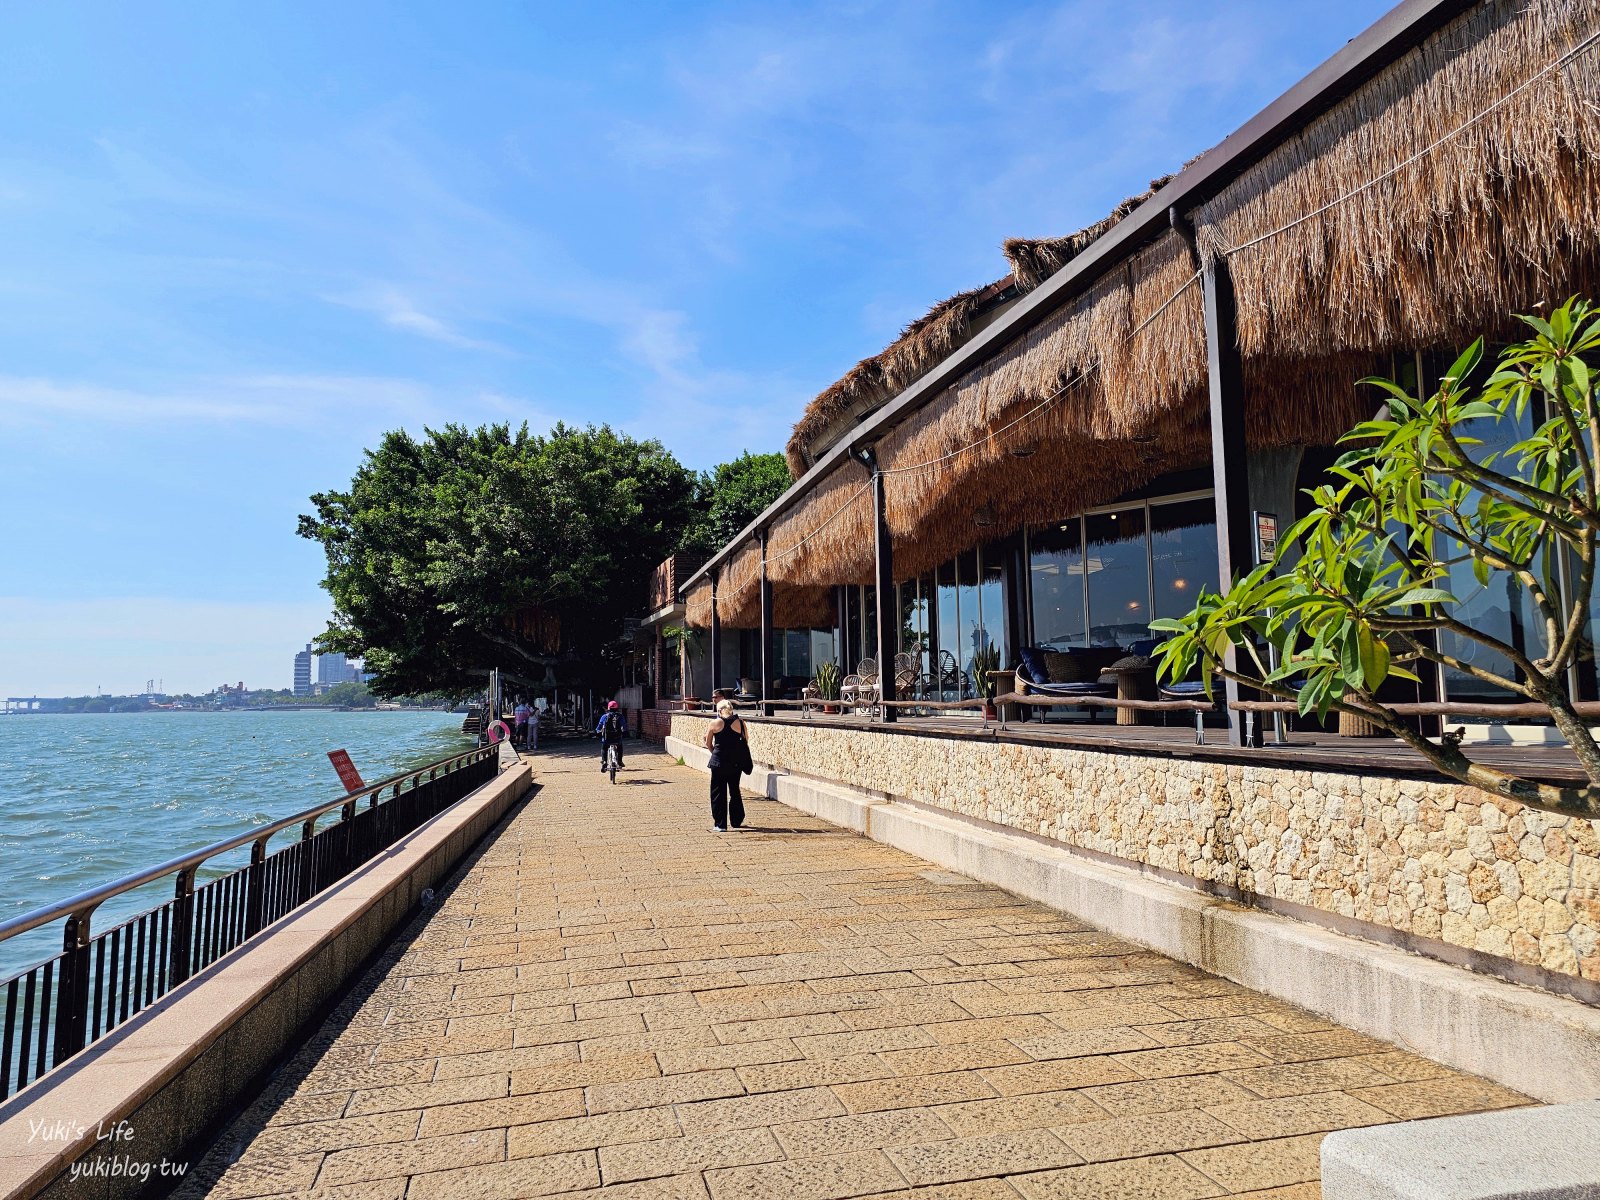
<point x="828" y="680"/>
<point x="985" y="663"/>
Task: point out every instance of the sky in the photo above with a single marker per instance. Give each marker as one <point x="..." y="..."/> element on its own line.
<point x="239" y="241"/>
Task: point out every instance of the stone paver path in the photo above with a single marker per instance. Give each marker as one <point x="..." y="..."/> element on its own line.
<point x="614" y="997"/>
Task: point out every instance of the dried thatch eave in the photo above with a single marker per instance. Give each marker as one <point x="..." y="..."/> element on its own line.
<point x="1033" y="260"/>
<point x="926" y="341"/>
<point x="1477" y="205"/>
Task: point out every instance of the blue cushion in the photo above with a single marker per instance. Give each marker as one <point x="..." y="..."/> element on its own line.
<point x="1033" y="664"/>
<point x="1192" y="687"/>
<point x="1145" y="647"/>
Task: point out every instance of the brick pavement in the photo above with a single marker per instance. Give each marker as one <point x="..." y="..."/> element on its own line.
<point x="612" y="997"/>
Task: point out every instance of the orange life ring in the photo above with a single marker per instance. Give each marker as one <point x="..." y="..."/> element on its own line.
<point x="499" y="731"/>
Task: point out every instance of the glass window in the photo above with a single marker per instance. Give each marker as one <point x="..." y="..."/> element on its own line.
<point x="1502" y="608"/>
<point x="869" y="621"/>
<point x="914" y="622"/>
<point x="796" y="654"/>
<point x="853" y="651"/>
<point x="824" y="648"/>
<point x="949" y="633"/>
<point x="973" y="637"/>
<point x="1183" y="553"/>
<point x="1055" y="570"/>
<point x="992" y="599"/>
<point x="1118" y="564"/>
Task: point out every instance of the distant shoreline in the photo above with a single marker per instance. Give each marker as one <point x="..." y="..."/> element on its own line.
<point x="240" y="709"/>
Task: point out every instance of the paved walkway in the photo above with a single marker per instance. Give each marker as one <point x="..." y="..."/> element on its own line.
<point x="613" y="995"/>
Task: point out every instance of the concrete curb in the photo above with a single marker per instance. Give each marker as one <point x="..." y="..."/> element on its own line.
<point x="1518" y="1154"/>
<point x="1510" y="1034"/>
<point x="146" y="1093"/>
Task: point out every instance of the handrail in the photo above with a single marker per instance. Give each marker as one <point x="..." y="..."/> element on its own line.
<point x="86" y="902"/>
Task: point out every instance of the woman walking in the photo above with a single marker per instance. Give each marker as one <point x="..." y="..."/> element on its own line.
<point x="725" y="738"/>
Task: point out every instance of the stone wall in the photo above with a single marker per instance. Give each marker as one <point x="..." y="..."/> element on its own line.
<point x="1412" y="861"/>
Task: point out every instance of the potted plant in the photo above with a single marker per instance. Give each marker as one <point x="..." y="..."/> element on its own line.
<point x="828" y="680"/>
<point x="985" y="663"/>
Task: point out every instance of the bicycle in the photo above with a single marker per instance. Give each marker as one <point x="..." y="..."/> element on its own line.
<point x="612" y="763"/>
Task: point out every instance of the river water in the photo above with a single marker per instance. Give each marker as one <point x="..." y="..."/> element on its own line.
<point x="89" y="799"/>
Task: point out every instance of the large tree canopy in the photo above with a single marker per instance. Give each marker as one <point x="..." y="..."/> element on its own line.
<point x="462" y="550"/>
<point x="732" y="495"/>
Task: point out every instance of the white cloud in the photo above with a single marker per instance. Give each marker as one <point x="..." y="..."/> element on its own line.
<point x="395" y="309"/>
<point x="286" y="400"/>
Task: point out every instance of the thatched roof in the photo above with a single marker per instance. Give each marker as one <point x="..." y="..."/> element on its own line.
<point x="1033" y="260"/>
<point x="1452" y="188"/>
<point x="928" y="340"/>
<point x="933" y="337"/>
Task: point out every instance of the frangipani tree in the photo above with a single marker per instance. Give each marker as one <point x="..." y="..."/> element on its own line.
<point x="1361" y="591"/>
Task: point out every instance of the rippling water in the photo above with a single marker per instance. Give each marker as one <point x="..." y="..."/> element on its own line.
<point x="89" y="799"/>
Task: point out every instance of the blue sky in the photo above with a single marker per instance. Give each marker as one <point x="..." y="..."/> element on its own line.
<point x="239" y="241"/>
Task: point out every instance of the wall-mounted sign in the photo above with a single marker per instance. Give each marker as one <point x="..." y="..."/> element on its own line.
<point x="1266" y="536"/>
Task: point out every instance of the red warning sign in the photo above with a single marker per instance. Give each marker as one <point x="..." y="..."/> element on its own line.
<point x="348" y="775"/>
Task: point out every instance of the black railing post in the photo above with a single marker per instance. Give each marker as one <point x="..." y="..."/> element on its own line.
<point x="182" y="927"/>
<point x="308" y="877"/>
<point x="255" y="888"/>
<point x="72" y="1002"/>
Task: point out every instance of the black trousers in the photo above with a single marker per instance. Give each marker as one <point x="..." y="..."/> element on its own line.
<point x="726" y="802"/>
<point x="603" y="746"/>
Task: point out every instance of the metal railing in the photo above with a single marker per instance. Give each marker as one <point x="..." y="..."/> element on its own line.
<point x="57" y="1007"/>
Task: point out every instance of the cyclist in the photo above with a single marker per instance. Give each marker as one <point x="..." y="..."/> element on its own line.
<point x="612" y="729"/>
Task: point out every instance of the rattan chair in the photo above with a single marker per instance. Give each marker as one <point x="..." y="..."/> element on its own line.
<point x="860" y="690"/>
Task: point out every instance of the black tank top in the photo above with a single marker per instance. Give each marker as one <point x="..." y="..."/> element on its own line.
<point x="725" y="743"/>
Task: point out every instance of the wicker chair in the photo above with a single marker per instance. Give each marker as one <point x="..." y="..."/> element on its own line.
<point x="860" y="690"/>
<point x="952" y="682"/>
<point x="907" y="682"/>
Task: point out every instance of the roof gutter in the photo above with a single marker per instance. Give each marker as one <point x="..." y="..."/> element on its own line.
<point x="1397" y="32"/>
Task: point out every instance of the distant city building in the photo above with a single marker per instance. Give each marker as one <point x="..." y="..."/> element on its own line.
<point x="335" y="668"/>
<point x="302" y="672"/>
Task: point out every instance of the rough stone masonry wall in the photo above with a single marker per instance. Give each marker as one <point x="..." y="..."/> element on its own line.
<point x="1436" y="861"/>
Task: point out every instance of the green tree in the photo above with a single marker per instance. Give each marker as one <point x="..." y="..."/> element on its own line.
<point x="732" y="495"/>
<point x="1364" y="585"/>
<point x="443" y="545"/>
<point x="349" y="695"/>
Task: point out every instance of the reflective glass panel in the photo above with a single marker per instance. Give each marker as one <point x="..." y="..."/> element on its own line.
<point x="992" y="600"/>
<point x="1055" y="572"/>
<point x="1501" y="608"/>
<point x="1119" y="578"/>
<point x="972" y="634"/>
<point x="949" y="671"/>
<point x="1183" y="553"/>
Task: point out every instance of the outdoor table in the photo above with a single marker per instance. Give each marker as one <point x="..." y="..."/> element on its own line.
<point x="1134" y="682"/>
<point x="1005" y="682"/>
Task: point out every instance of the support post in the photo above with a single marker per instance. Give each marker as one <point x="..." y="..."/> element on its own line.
<point x="766" y="629"/>
<point x="1230" y="477"/>
<point x="72" y="1000"/>
<point x="888" y="615"/>
<point x="716" y="641"/>
<point x="841" y="648"/>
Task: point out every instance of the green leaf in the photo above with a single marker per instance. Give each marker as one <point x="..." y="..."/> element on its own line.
<point x="1425" y="595"/>
<point x="1374" y="658"/>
